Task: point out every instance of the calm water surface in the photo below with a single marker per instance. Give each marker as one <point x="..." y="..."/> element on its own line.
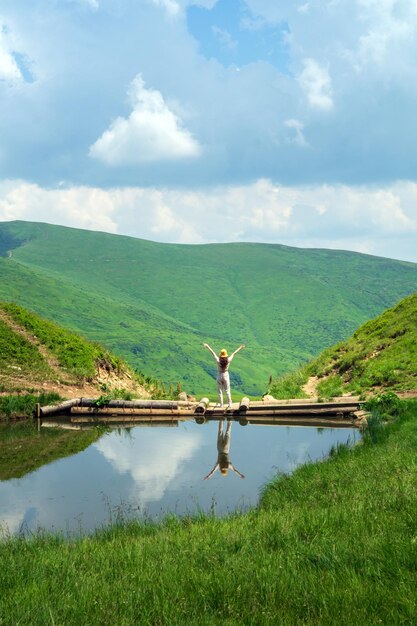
<point x="154" y="471"/>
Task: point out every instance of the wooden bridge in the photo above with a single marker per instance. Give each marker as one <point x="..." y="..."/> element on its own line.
<point x="84" y="412"/>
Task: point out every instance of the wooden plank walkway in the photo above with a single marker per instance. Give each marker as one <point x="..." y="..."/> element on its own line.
<point x="340" y="412"/>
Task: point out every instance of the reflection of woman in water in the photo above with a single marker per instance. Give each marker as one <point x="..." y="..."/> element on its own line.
<point x="223" y="448"/>
<point x="223" y="361"/>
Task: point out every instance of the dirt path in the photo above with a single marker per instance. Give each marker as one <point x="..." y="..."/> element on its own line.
<point x="310" y="388"/>
<point x="61" y="381"/>
<point x="51" y="360"/>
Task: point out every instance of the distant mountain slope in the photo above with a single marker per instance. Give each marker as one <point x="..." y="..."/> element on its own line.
<point x="156" y="303"/>
<point x="37" y="355"/>
<point x="381" y="354"/>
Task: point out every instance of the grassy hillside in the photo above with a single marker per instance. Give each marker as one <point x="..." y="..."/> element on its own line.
<point x="38" y="355"/>
<point x="380" y="354"/>
<point x="156" y="303"/>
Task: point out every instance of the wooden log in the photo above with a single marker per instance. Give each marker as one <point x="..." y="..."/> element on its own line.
<point x="200" y="418"/>
<point x="58" y="408"/>
<point x="142" y="424"/>
<point x="361" y="418"/>
<point x="118" y="419"/>
<point x="308" y="401"/>
<point x="131" y="404"/>
<point x="37" y="415"/>
<point x="202" y="405"/>
<point x="299" y="411"/>
<point x="83" y="410"/>
<point x="244" y="405"/>
<point x="63" y="425"/>
<point x="334" y="406"/>
<point x="302" y="421"/>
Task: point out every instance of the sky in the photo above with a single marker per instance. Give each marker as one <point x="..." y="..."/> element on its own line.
<point x="203" y="121"/>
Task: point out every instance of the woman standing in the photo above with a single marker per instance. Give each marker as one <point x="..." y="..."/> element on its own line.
<point x="223" y="361"/>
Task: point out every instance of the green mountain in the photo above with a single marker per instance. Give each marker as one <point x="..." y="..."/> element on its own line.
<point x="381" y="354"/>
<point x="155" y="304"/>
<point x="39" y="356"/>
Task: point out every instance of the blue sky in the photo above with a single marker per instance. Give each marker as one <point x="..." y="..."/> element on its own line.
<point x="235" y="36"/>
<point x="203" y="121"/>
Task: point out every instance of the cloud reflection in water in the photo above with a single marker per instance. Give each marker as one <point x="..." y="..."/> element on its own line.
<point x="152" y="458"/>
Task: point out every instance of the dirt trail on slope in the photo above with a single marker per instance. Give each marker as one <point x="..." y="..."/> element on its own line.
<point x="62" y="382"/>
<point x="62" y="375"/>
<point x="310" y="388"/>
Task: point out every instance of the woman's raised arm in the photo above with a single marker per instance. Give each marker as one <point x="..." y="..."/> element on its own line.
<point x="210" y="349"/>
<point x="236" y="351"/>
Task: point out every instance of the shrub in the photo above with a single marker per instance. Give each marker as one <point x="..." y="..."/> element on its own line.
<point x="24" y="405"/>
<point x="384" y="403"/>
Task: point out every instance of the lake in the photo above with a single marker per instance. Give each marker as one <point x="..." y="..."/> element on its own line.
<point x="151" y="471"/>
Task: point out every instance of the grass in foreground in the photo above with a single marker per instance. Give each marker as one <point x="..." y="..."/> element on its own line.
<point x="334" y="543"/>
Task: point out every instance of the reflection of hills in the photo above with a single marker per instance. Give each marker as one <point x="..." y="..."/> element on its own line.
<point x="23" y="449"/>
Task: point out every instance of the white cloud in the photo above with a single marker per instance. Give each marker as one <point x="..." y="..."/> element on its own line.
<point x="171" y="6"/>
<point x="304" y="8"/>
<point x="389" y="31"/>
<point x="93" y="4"/>
<point x="353" y="58"/>
<point x="224" y="37"/>
<point x="316" y="83"/>
<point x="380" y="221"/>
<point x="81" y="207"/>
<point x="168" y="224"/>
<point x="298" y="136"/>
<point x="8" y="67"/>
<point x="152" y="461"/>
<point x="11" y="522"/>
<point x="9" y="70"/>
<point x="152" y="132"/>
<point x="14" y="508"/>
